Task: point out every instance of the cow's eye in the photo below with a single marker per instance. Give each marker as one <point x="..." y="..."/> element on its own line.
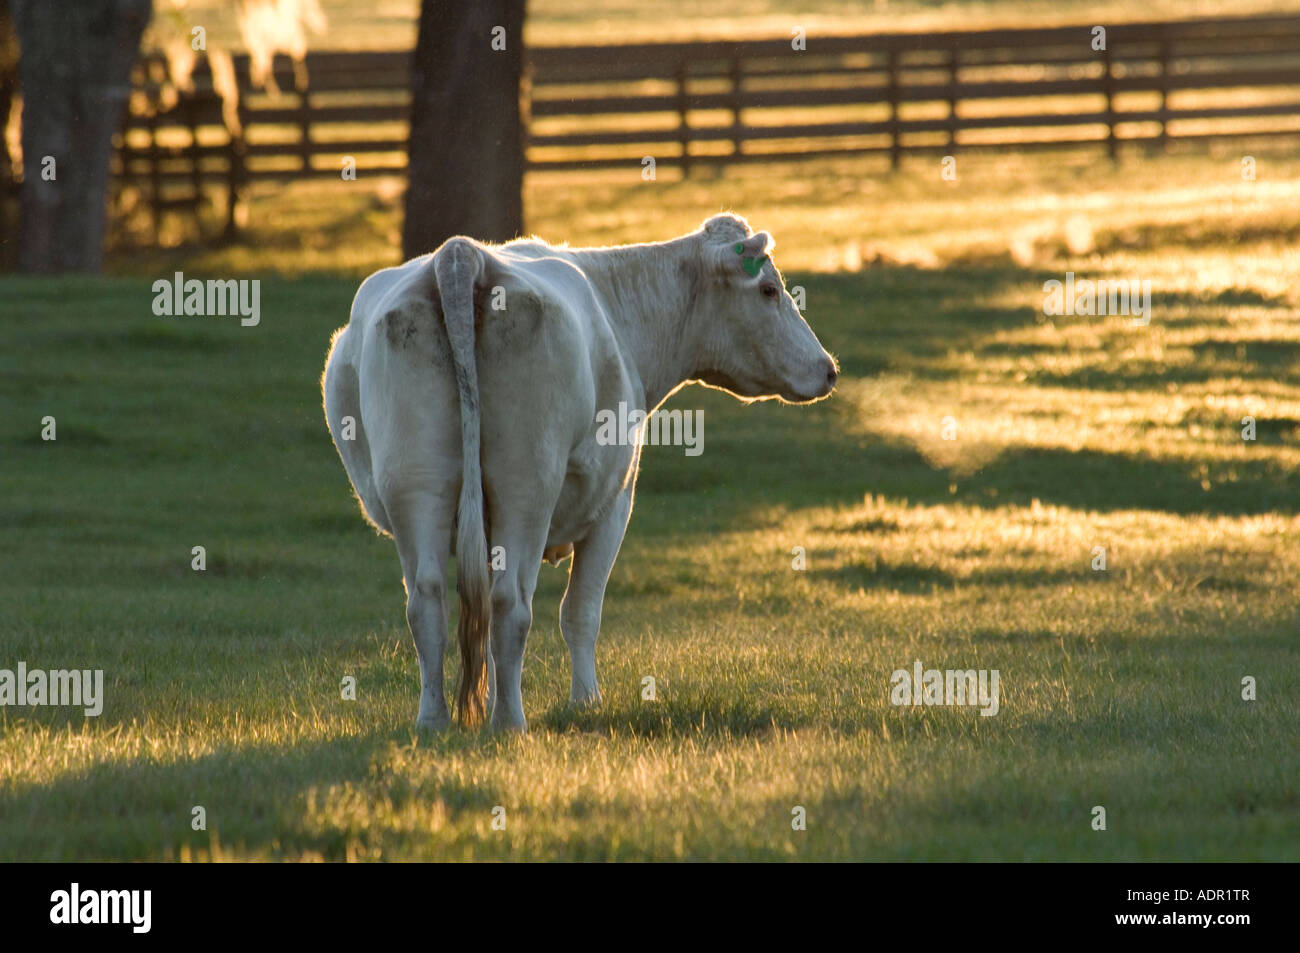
<point x="768" y="290"/>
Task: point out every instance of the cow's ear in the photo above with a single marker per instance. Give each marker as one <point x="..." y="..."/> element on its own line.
<point x="747" y="255"/>
<point x="755" y="246"/>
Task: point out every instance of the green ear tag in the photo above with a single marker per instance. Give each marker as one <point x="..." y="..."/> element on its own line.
<point x="751" y="265"/>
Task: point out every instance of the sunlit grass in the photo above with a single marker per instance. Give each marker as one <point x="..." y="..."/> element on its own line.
<point x="1120" y="687"/>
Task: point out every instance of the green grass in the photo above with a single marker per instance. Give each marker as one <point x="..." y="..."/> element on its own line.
<point x="1119" y="689"/>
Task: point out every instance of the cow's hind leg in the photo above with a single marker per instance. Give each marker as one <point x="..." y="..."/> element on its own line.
<point x="512" y="616"/>
<point x="422" y="528"/>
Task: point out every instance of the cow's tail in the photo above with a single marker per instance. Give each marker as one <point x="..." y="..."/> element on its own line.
<point x="457" y="265"/>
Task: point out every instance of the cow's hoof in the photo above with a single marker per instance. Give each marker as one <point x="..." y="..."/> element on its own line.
<point x="585" y="699"/>
<point x="508" y="726"/>
<point x="436" y="723"/>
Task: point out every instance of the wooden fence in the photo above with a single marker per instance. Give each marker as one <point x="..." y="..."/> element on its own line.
<point x="751" y="101"/>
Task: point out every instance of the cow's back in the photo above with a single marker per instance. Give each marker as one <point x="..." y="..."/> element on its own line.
<point x="547" y="360"/>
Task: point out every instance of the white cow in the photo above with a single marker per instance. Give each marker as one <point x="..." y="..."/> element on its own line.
<point x="463" y="398"/>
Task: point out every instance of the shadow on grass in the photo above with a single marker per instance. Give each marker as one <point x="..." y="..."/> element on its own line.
<point x="1156" y="377"/>
<point x="1200" y="234"/>
<point x="883" y="319"/>
<point x="830" y="466"/>
<point x="142" y="809"/>
<point x="1091" y="479"/>
<point x="687" y="717"/>
<point x="917" y="578"/>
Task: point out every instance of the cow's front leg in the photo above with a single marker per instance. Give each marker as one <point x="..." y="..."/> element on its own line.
<point x="593" y="558"/>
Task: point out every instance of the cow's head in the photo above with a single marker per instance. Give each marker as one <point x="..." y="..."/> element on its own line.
<point x="753" y="342"/>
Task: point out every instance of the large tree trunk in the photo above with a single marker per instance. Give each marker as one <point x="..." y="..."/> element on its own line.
<point x="466" y="152"/>
<point x="8" y="180"/>
<point x="75" y="71"/>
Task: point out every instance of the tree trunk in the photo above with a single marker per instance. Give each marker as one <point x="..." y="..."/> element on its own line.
<point x="466" y="152"/>
<point x="8" y="180"/>
<point x="75" y="70"/>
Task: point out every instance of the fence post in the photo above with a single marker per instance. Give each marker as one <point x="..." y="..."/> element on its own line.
<point x="895" y="147"/>
<point x="1164" y="90"/>
<point x="953" y="55"/>
<point x="155" y="177"/>
<point x="236" y="171"/>
<point x="196" y="172"/>
<point x="737" y="77"/>
<point x="1108" y="84"/>
<point x="683" y="121"/>
<point x="304" y="123"/>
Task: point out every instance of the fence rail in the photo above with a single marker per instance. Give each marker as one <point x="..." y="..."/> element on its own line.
<point x="745" y="101"/>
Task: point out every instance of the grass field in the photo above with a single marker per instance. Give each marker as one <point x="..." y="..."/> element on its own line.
<point x="1120" y="688"/>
